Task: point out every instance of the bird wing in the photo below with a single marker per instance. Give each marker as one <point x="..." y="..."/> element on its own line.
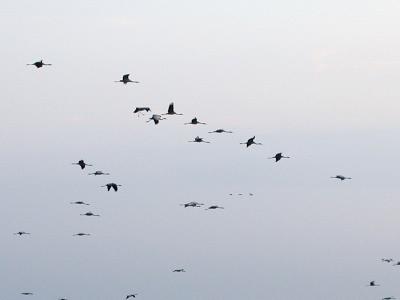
<point x="125" y="77"/>
<point x="171" y="108"/>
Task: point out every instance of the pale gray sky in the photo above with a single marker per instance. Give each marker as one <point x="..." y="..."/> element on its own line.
<point x="315" y="80"/>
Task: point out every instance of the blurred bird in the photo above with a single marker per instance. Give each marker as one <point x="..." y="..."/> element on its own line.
<point x="194" y="121"/>
<point x="198" y="139"/>
<point x="99" y="173"/>
<point x="90" y="214"/>
<point x="171" y="110"/>
<point x="192" y="204"/>
<point x="387" y="260"/>
<point x="156" y="119"/>
<point x="82" y="164"/>
<point x="27" y="294"/>
<point x="79" y="203"/>
<point x="111" y="186"/>
<point x="220" y="130"/>
<point x="388" y="298"/>
<point x="250" y="142"/>
<point x="373" y="283"/>
<point x="131" y="296"/>
<point x="214" y="207"/>
<point x="139" y="110"/>
<point x="125" y="79"/>
<point x="81" y="234"/>
<point x="21" y="233"/>
<point x="179" y="270"/>
<point x="278" y="157"/>
<point x="341" y="177"/>
<point x="397" y="264"/>
<point x="39" y="64"/>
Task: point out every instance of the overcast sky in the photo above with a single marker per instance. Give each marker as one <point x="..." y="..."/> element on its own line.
<point x="315" y="80"/>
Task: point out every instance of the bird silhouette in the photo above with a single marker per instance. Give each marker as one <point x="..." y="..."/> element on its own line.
<point x="156" y="119"/>
<point x="90" y="214"/>
<point x="373" y="283"/>
<point x="81" y="234"/>
<point x="387" y="260"/>
<point x="214" y="207"/>
<point x="179" y="270"/>
<point x="27" y="294"/>
<point x="388" y="298"/>
<point x="131" y="296"/>
<point x="39" y="64"/>
<point x="112" y="185"/>
<point x="82" y="164"/>
<point x="194" y="121"/>
<point x="250" y="142"/>
<point x="220" y="130"/>
<point x="140" y="110"/>
<point x="125" y="79"/>
<point x="198" y="139"/>
<point x="192" y="204"/>
<point x="20" y="233"/>
<point x="97" y="173"/>
<point x="278" y="157"/>
<point x="341" y="177"/>
<point x="79" y="203"/>
<point x="171" y="110"/>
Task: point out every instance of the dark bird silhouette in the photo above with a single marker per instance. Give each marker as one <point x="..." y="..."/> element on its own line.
<point x="79" y="203"/>
<point x="388" y="298"/>
<point x="250" y="142"/>
<point x="373" y="283"/>
<point x="387" y="260"/>
<point x="179" y="270"/>
<point x="90" y="214"/>
<point x="194" y="121"/>
<point x="82" y="164"/>
<point x="125" y="79"/>
<point x="81" y="234"/>
<point x="251" y="194"/>
<point x="156" y="119"/>
<point x="192" y="204"/>
<point x="171" y="110"/>
<point x="214" y="207"/>
<point x="278" y="157"/>
<point x="21" y="233"/>
<point x="220" y="130"/>
<point x="198" y="139"/>
<point x="39" y="64"/>
<point x="27" y="294"/>
<point x="99" y="173"/>
<point x="112" y="185"/>
<point x="139" y="110"/>
<point x="131" y="296"/>
<point x="397" y="264"/>
<point x="341" y="177"/>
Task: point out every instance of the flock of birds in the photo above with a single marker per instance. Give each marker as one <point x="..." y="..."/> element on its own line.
<point x="156" y="118"/>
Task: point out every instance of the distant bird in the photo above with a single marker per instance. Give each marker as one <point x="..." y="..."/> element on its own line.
<point x="387" y="260"/>
<point x="131" y="296"/>
<point x="373" y="283"/>
<point x="39" y="64"/>
<point x="99" y="173"/>
<point x="125" y="79"/>
<point x="278" y="157"/>
<point x="81" y="234"/>
<point x="251" y="194"/>
<point x="397" y="264"/>
<point x="139" y="110"/>
<point x="194" y="121"/>
<point x="198" y="139"/>
<point x="27" y="294"/>
<point x="171" y="110"/>
<point x="112" y="185"/>
<point x="156" y="119"/>
<point x="214" y="207"/>
<point x="388" y="298"/>
<point x="251" y="142"/>
<point x="90" y="214"/>
<point x="192" y="204"/>
<point x="21" y="233"/>
<point x="179" y="270"/>
<point x="82" y="164"/>
<point x="80" y="203"/>
<point x="341" y="177"/>
<point x="220" y="130"/>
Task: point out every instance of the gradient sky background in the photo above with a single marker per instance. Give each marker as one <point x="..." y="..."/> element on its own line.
<point x="315" y="80"/>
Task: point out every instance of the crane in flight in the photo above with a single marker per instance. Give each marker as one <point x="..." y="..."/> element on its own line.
<point x="214" y="207"/>
<point x="341" y="177"/>
<point x="81" y="234"/>
<point x="131" y="296"/>
<point x="278" y="157"/>
<point x="194" y="121"/>
<point x="125" y="79"/>
<point x="250" y="142"/>
<point x="198" y="139"/>
<point x="90" y="214"/>
<point x="20" y="233"/>
<point x="192" y="204"/>
<point x="179" y="270"/>
<point x="387" y="260"/>
<point x="373" y="283"/>
<point x="38" y="64"/>
<point x="27" y="294"/>
<point x="171" y="110"/>
<point x="97" y="173"/>
<point x="220" y="130"/>
<point x="140" y="110"/>
<point x="156" y="119"/>
<point x="112" y="185"/>
<point x="79" y="203"/>
<point x="82" y="164"/>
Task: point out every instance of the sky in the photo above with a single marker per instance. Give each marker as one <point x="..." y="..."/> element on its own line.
<point x="316" y="80"/>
